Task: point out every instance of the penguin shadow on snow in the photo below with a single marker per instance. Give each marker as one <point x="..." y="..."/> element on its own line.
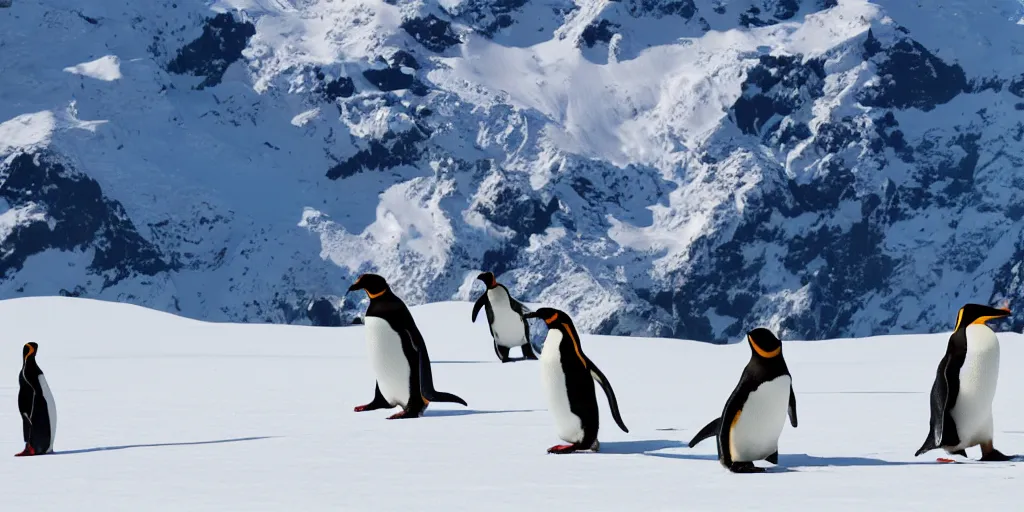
<point x="800" y="460"/>
<point x="159" y="445"/>
<point x="640" y="446"/>
<point x="441" y="413"/>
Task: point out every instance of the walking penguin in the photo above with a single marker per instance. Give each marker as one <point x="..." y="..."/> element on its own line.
<point x="568" y="376"/>
<point x="398" y="353"/>
<point x="964" y="386"/>
<point x="35" y="402"/>
<point x="509" y="328"/>
<point x="753" y="418"/>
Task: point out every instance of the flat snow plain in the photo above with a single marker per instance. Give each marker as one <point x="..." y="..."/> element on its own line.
<point x="158" y="412"/>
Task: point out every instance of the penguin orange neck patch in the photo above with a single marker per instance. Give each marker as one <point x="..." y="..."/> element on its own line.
<point x="575" y="344"/>
<point x="375" y="295"/>
<point x="552" y="319"/>
<point x="764" y="353"/>
<point x="31" y="350"/>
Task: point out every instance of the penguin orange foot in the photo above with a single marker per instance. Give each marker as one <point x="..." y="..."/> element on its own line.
<point x="403" y="415"/>
<point x="28" y="451"/>
<point x="563" y="448"/>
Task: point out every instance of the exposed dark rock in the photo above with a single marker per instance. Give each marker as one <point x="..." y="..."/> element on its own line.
<point x="392" y="150"/>
<point x="889" y="135"/>
<point x="323" y="313"/>
<point x="489" y="16"/>
<point x="74" y="215"/>
<point x="211" y="54"/>
<point x="682" y="8"/>
<point x="752" y="18"/>
<point x="911" y="77"/>
<point x="341" y="87"/>
<point x="432" y="32"/>
<point x="403" y="58"/>
<point x="762" y="100"/>
<point x="389" y="79"/>
<point x="393" y="77"/>
<point x="598" y="32"/>
<point x="1016" y="86"/>
<point x="785" y="9"/>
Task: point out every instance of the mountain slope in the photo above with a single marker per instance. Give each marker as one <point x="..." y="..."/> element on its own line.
<point x="163" y="413"/>
<point x="684" y="168"/>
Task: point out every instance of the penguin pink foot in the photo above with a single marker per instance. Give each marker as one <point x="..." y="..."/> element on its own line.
<point x="28" y="451"/>
<point x="562" y="448"/>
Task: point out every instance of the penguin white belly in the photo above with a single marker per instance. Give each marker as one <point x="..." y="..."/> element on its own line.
<point x="507" y="327"/>
<point x="51" y="409"/>
<point x="978" y="377"/>
<point x="569" y="426"/>
<point x="388" y="360"/>
<point x="756" y="433"/>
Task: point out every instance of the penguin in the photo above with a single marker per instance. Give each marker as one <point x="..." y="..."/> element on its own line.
<point x="964" y="386"/>
<point x="755" y="413"/>
<point x="568" y="376"/>
<point x="505" y="315"/>
<point x="38" y="410"/>
<point x="398" y="353"/>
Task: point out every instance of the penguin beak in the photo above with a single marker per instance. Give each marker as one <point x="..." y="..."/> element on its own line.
<point x="355" y="286"/>
<point x="992" y="314"/>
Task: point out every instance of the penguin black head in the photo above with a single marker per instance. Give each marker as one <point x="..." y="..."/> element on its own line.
<point x="29" y="350"/>
<point x="549" y="315"/>
<point x="374" y="285"/>
<point x="488" y="279"/>
<point x="764" y="343"/>
<point x="972" y="314"/>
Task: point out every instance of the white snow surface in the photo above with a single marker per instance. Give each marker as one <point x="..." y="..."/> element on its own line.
<point x="159" y="412"/>
<point x="106" y="68"/>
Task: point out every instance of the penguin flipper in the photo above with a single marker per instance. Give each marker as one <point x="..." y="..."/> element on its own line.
<point x="518" y="307"/>
<point x="598" y="375"/>
<point x="426" y="377"/>
<point x="709" y="430"/>
<point x="792" y="410"/>
<point x="522" y="311"/>
<point x="479" y="304"/>
<point x="26" y="397"/>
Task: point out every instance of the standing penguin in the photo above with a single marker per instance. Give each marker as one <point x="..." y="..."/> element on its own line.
<point x="965" y="384"/>
<point x="755" y="413"/>
<point x="505" y="315"/>
<point x="398" y="353"/>
<point x="38" y="411"/>
<point x="568" y="376"/>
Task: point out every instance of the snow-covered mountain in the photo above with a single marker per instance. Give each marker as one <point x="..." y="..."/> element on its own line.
<point x="685" y="168"/>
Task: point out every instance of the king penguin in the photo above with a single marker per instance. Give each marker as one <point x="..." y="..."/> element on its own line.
<point x="398" y="353"/>
<point x="568" y="376"/>
<point x="505" y="315"/>
<point x="965" y="384"/>
<point x="38" y="411"/>
<point x="753" y="418"/>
